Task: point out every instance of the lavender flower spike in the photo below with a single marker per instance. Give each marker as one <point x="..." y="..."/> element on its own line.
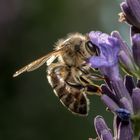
<point x="102" y="129"/>
<point x="108" y="56"/>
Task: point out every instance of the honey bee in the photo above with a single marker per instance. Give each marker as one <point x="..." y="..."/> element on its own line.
<point x="68" y="73"/>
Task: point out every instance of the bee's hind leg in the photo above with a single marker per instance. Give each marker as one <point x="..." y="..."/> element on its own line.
<point x="92" y="90"/>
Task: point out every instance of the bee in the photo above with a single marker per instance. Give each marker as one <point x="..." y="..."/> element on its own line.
<point x="68" y="73"/>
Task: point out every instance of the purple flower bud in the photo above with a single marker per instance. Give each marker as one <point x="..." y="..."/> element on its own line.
<point x="102" y="129"/>
<point x="136" y="48"/>
<point x="126" y="61"/>
<point x="109" y="103"/>
<point x="131" y="10"/>
<point x="108" y="58"/>
<point x="136" y="100"/>
<point x="125" y="54"/>
<point x="120" y="90"/>
<point x="123" y="44"/>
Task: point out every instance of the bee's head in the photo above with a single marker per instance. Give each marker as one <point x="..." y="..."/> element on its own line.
<point x="76" y="42"/>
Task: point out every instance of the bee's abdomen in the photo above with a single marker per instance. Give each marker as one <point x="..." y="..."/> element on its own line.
<point x="70" y="97"/>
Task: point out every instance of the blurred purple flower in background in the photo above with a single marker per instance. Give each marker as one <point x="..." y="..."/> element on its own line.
<point x="131" y="10"/>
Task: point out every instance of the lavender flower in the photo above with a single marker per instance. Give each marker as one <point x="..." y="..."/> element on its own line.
<point x="107" y="61"/>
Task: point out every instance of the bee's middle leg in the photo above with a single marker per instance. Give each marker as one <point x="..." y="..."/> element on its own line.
<point x="89" y="85"/>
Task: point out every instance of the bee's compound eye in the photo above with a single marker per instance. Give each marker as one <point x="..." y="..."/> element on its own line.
<point x="92" y="48"/>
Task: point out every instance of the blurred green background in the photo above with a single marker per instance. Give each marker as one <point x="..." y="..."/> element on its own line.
<point x="29" y="110"/>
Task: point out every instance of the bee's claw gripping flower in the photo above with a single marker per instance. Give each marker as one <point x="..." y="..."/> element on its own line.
<point x="102" y="129"/>
<point x="108" y="57"/>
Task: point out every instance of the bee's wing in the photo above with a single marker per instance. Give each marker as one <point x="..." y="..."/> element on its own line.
<point x="39" y="62"/>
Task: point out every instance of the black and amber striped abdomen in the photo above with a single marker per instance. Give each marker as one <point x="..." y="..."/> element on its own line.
<point x="71" y="97"/>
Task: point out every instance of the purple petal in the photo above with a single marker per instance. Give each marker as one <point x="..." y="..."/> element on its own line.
<point x="97" y="62"/>
<point x="108" y="58"/>
<point x="109" y="48"/>
<point x="102" y="129"/>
